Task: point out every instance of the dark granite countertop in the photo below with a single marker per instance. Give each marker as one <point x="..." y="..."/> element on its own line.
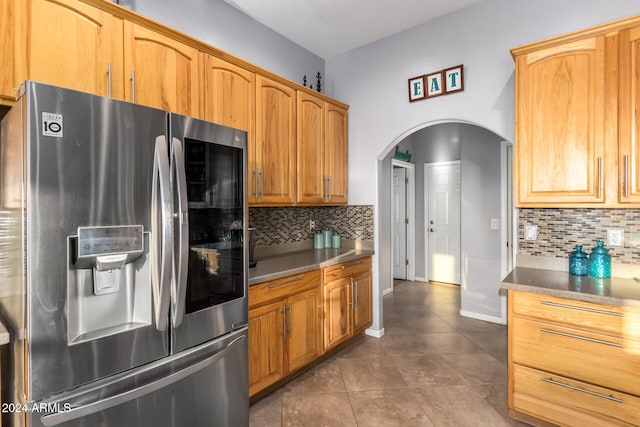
<point x="614" y="291"/>
<point x="282" y="265"/>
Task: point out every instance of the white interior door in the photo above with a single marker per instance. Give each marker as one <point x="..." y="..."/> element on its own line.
<point x="399" y="226"/>
<point x="443" y="221"/>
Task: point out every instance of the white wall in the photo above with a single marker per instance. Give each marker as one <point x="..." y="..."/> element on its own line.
<point x="221" y="25"/>
<point x="480" y="245"/>
<point x="373" y="80"/>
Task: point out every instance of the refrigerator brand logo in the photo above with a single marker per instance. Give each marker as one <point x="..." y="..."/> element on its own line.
<point x="52" y="124"/>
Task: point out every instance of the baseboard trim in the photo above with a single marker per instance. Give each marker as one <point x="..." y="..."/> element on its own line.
<point x="486" y="318"/>
<point x="376" y="333"/>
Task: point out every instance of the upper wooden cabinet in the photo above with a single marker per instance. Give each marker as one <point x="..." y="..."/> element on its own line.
<point x="8" y="86"/>
<point x="66" y="43"/>
<point x="161" y="71"/>
<point x="322" y="152"/>
<point x="272" y="167"/>
<point x="577" y="119"/>
<point x="335" y="155"/>
<point x="629" y="108"/>
<point x="229" y="93"/>
<point x="560" y="116"/>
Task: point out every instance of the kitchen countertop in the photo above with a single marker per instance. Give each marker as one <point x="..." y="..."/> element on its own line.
<point x="614" y="291"/>
<point x="286" y="264"/>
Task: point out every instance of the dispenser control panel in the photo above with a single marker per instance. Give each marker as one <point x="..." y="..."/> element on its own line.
<point x="96" y="241"/>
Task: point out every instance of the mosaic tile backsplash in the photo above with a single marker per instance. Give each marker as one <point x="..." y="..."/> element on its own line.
<point x="560" y="230"/>
<point x="280" y="225"/>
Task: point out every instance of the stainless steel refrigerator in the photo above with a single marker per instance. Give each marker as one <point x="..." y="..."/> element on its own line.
<point x="123" y="272"/>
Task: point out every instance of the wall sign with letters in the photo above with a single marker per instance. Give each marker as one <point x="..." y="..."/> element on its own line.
<point x="441" y="82"/>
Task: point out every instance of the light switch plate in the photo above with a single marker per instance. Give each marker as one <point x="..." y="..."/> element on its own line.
<point x="530" y="232"/>
<point x="495" y="223"/>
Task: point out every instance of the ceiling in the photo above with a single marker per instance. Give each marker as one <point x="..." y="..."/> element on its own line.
<point x="331" y="27"/>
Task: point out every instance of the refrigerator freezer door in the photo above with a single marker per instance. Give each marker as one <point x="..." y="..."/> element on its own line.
<point x="204" y="386"/>
<point x="90" y="163"/>
<point x="211" y="299"/>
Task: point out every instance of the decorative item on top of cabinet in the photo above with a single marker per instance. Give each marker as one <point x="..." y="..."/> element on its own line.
<point x="272" y="170"/>
<point x="285" y="327"/>
<point x="161" y="72"/>
<point x="322" y="152"/>
<point x="347" y="300"/>
<point x="70" y="44"/>
<point x="575" y="95"/>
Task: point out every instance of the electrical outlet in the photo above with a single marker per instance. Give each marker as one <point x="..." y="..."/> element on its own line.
<point x="495" y="223"/>
<point x="615" y="237"/>
<point x="312" y="224"/>
<point x="530" y="232"/>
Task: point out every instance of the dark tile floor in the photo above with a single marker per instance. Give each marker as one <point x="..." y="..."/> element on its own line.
<point x="431" y="368"/>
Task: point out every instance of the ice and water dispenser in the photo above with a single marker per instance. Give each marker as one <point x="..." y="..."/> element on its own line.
<point x="108" y="279"/>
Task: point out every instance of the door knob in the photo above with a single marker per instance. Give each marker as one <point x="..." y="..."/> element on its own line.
<point x="431" y="222"/>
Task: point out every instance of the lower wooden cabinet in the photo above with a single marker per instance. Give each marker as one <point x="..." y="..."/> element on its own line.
<point x="573" y="362"/>
<point x="285" y="328"/>
<point x="347" y="301"/>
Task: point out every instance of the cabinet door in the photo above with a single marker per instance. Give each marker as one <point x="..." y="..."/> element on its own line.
<point x="362" y="301"/>
<point x="70" y="44"/>
<point x="337" y="312"/>
<point x="8" y="83"/>
<point x="275" y="149"/>
<point x="160" y="72"/>
<point x="228" y="97"/>
<point x="560" y="122"/>
<point x="304" y="318"/>
<point x="335" y="155"/>
<point x="266" y="352"/>
<point x="312" y="179"/>
<point x="629" y="122"/>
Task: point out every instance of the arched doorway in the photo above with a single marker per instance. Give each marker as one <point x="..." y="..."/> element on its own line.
<point x="486" y="228"/>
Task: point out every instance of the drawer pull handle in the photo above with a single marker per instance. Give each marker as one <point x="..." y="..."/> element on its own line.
<point x="351" y="265"/>
<point x="593" y="393"/>
<point x="286" y="282"/>
<point x="590" y="310"/>
<point x="564" y="334"/>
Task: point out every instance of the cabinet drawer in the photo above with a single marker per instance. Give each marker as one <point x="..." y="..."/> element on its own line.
<point x="346" y="269"/>
<point x="610" y="319"/>
<point x="281" y="288"/>
<point x="563" y="401"/>
<point x="586" y="356"/>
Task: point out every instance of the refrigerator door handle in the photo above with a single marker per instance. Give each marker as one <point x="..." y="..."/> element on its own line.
<point x="161" y="233"/>
<point x="181" y="253"/>
<point x="118" y="399"/>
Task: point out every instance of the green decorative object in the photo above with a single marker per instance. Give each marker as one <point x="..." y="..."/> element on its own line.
<point x="402" y="156"/>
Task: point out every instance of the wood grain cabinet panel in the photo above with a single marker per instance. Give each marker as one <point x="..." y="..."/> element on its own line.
<point x="285" y="327"/>
<point x="8" y="81"/>
<point x="322" y="152"/>
<point x="561" y="96"/>
<point x="572" y="362"/>
<point x="336" y="151"/>
<point x="229" y="92"/>
<point x="160" y="71"/>
<point x="629" y="108"/>
<point x="272" y="161"/>
<point x="347" y="301"/>
<point x="567" y="402"/>
<point x="577" y="119"/>
<point x="70" y="44"/>
<point x="266" y="346"/>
